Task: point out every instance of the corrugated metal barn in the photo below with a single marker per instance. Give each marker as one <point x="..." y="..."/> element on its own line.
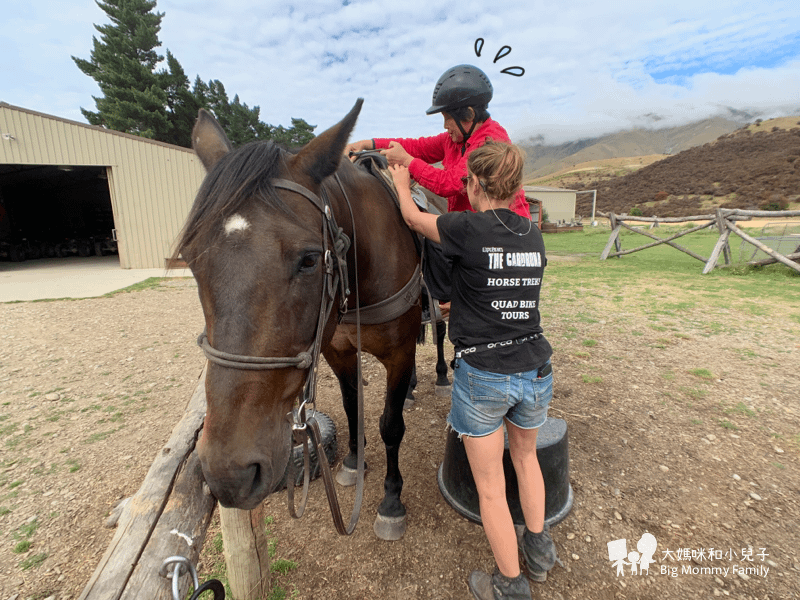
<point x="64" y="180"/>
<point x="559" y="203"/>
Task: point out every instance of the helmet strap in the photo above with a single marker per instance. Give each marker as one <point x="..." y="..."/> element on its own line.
<point x="466" y="135"/>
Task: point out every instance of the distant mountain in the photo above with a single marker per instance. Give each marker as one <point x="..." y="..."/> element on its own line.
<point x="753" y="167"/>
<point x="544" y="160"/>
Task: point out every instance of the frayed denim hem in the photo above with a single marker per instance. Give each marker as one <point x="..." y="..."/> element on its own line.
<point x="449" y="427"/>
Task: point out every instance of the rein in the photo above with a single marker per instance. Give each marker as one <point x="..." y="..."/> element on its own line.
<point x="334" y="276"/>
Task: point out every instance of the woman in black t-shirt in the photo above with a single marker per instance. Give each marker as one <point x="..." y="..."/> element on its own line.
<point x="503" y="371"/>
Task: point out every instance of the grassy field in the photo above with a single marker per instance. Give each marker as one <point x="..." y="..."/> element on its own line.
<point x="665" y="276"/>
<point x="614" y="325"/>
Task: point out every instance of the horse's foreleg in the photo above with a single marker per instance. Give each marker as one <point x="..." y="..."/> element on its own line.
<point x="390" y="523"/>
<point x="345" y="367"/>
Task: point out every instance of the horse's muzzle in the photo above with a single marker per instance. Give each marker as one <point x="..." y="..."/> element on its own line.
<point x="244" y="483"/>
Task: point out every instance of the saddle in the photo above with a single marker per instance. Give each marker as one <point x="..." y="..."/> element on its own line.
<point x="378" y="165"/>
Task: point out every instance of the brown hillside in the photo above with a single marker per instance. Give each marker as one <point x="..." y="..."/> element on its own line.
<point x="739" y="170"/>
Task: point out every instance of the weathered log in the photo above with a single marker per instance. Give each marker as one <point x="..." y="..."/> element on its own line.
<point x="246" y="552"/>
<point x="777" y="214"/>
<point x="173" y="496"/>
<point x="667" y="240"/>
<point x="180" y="531"/>
<point x="669" y="219"/>
<point x="722" y="242"/>
<point x="763" y="247"/>
<point x="724" y="232"/>
<point x="613" y="239"/>
<point x="794" y="256"/>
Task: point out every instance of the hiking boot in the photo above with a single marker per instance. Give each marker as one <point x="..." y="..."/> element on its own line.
<point x="498" y="586"/>
<point x="540" y="553"/>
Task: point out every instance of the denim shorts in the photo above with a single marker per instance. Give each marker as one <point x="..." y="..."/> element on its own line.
<point x="481" y="400"/>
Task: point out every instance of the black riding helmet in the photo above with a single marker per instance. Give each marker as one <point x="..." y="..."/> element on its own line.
<point x="462" y="85"/>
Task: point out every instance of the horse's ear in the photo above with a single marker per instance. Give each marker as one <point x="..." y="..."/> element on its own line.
<point x="322" y="155"/>
<point x="209" y="140"/>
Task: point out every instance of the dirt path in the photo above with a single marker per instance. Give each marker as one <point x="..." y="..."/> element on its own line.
<point x="687" y="427"/>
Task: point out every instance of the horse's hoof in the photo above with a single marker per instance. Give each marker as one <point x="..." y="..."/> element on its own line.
<point x="346" y="477"/>
<point x="444" y="390"/>
<point x="390" y="529"/>
<point x="409" y="403"/>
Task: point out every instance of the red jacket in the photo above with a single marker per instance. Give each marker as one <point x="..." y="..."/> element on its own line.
<point x="447" y="181"/>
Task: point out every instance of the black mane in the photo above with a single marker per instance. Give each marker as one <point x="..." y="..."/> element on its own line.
<point x="239" y="176"/>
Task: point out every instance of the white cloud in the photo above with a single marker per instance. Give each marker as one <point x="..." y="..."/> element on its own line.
<point x="590" y="67"/>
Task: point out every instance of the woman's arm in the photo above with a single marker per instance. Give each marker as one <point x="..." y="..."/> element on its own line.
<point x="424" y="223"/>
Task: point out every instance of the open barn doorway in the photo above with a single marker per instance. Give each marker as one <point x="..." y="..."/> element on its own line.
<point x="55" y="212"/>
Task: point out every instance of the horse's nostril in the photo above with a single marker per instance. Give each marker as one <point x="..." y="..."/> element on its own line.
<point x="257" y="475"/>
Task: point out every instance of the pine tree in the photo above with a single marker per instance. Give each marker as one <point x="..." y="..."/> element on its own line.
<point x="123" y="63"/>
<point x="242" y="123"/>
<point x="140" y="100"/>
<point x="299" y="134"/>
<point x="182" y="104"/>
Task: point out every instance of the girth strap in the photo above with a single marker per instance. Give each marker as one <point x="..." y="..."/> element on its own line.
<point x="393" y="306"/>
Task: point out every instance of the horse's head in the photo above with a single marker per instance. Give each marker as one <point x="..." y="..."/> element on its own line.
<point x="257" y="255"/>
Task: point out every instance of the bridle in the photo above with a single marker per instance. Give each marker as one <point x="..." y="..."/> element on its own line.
<point x="334" y="279"/>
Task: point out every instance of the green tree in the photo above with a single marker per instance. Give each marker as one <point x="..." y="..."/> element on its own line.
<point x="182" y="105"/>
<point x="299" y="134"/>
<point x="158" y="104"/>
<point x="123" y="62"/>
<point x="241" y="123"/>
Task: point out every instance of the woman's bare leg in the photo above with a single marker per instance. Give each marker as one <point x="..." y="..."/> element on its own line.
<point x="485" y="456"/>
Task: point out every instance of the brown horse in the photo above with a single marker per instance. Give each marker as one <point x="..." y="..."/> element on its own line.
<point x="256" y="247"/>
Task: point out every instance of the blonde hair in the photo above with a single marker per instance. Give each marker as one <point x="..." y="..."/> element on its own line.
<point x="498" y="167"/>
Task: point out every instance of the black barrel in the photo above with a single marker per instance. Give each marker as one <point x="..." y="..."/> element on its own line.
<point x="458" y="486"/>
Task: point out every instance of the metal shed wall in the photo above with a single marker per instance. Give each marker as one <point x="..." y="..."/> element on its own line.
<point x="559" y="203"/>
<point x="152" y="184"/>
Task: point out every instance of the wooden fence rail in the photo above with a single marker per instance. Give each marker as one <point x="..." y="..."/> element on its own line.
<point x="169" y="516"/>
<point x="724" y="219"/>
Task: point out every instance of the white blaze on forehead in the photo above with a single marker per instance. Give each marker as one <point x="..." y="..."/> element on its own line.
<point x="236" y="223"/>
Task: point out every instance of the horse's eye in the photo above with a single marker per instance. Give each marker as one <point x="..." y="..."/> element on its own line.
<point x="309" y="262"/>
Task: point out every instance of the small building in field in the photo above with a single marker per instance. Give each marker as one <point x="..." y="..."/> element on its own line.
<point x="558" y="203"/>
<point x="63" y="180"/>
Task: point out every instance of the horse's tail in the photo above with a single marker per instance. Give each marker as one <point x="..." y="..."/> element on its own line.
<point x="421" y="336"/>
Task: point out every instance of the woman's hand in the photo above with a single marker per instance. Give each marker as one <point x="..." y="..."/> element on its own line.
<point x="359" y="146"/>
<point x="397" y="155"/>
<point x="424" y="223"/>
<point x="401" y="176"/>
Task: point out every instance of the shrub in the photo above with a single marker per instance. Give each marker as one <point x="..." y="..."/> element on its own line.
<point x="775" y="203"/>
<point x="661" y="196"/>
<point x="635" y="212"/>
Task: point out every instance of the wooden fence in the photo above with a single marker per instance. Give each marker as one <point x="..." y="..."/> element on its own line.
<point x="169" y="516"/>
<point x="725" y="221"/>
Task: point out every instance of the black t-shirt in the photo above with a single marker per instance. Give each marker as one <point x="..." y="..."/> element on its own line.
<point x="497" y="276"/>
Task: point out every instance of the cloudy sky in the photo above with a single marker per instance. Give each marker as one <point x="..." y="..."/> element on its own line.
<point x="589" y="67"/>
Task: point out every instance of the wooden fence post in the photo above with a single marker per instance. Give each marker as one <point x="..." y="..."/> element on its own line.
<point x="246" y="552"/>
<point x="722" y="229"/>
<point x="614" y="238"/>
<point x="722" y="245"/>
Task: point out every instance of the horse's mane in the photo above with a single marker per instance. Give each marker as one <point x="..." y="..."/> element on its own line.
<point x="240" y="175"/>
